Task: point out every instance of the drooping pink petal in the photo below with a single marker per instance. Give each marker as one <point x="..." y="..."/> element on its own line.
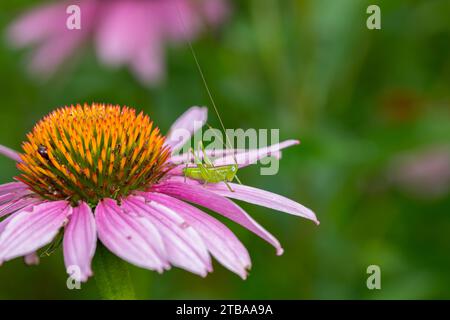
<point x="32" y="259"/>
<point x="130" y="33"/>
<point x="12" y="187"/>
<point x="201" y="196"/>
<point x="148" y="63"/>
<point x="47" y="27"/>
<point x="185" y="248"/>
<point x="219" y="240"/>
<point x="132" y="238"/>
<point x="8" y="198"/>
<point x="10" y="153"/>
<point x="182" y="20"/>
<point x="120" y="31"/>
<point x="80" y="238"/>
<point x="262" y="198"/>
<point x="23" y="204"/>
<point x="53" y="52"/>
<point x="185" y="126"/>
<point x="13" y="195"/>
<point x="27" y="231"/>
<point x="38" y="24"/>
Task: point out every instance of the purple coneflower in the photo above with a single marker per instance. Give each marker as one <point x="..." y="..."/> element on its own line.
<point x="102" y="171"/>
<point x="133" y="33"/>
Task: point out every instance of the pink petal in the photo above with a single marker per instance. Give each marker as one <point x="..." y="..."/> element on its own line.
<point x="182" y="20"/>
<point x="8" y="198"/>
<point x="232" y="156"/>
<point x="46" y="26"/>
<point x="185" y="248"/>
<point x="148" y="63"/>
<point x="201" y="196"/>
<point x="12" y="197"/>
<point x="27" y="231"/>
<point x="219" y="240"/>
<point x="23" y="204"/>
<point x="262" y="198"/>
<point x="38" y="24"/>
<point x="132" y="238"/>
<point x="53" y="52"/>
<point x="122" y="29"/>
<point x="185" y="126"/>
<point x="214" y="154"/>
<point x="252" y="156"/>
<point x="130" y="33"/>
<point x="80" y="238"/>
<point x="148" y="58"/>
<point x="10" y="153"/>
<point x="12" y="187"/>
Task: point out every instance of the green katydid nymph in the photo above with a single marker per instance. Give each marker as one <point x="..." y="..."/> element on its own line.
<point x="206" y="172"/>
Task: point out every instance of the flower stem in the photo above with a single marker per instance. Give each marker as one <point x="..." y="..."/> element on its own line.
<point x="112" y="276"/>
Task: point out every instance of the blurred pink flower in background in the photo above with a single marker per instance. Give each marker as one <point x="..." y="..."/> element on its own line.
<point x="424" y="173"/>
<point x="133" y="33"/>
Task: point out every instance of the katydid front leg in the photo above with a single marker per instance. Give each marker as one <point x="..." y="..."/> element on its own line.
<point x="228" y="186"/>
<point x="206" y="159"/>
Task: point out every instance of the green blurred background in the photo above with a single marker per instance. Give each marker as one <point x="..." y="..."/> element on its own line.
<point x="358" y="99"/>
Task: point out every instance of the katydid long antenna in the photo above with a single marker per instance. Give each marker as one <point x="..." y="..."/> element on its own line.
<point x="205" y="84"/>
<point x="199" y="68"/>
